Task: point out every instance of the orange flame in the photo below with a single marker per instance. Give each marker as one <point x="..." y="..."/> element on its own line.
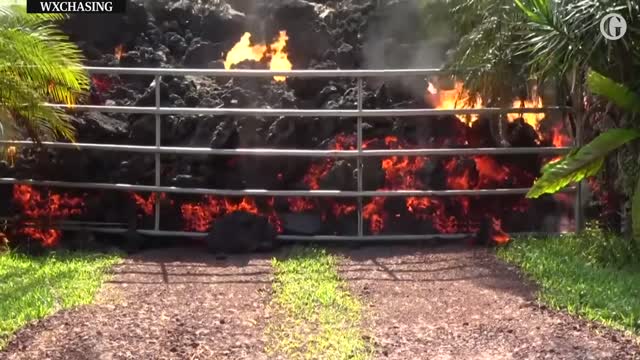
<point x="459" y="98"/>
<point x="11" y="155"/>
<point x="119" y="51"/>
<point x="279" y="59"/>
<point x="559" y="138"/>
<point x="530" y="118"/>
<point x="243" y="50"/>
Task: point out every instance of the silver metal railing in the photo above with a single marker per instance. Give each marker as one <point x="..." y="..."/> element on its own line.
<point x="359" y="113"/>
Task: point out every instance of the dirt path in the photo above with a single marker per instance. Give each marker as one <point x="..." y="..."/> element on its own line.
<point x="174" y="304"/>
<point x="443" y="303"/>
<point x="451" y="303"/>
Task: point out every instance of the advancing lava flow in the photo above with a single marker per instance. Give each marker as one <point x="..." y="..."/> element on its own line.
<point x="383" y="215"/>
<point x="49" y="208"/>
<point x="273" y="53"/>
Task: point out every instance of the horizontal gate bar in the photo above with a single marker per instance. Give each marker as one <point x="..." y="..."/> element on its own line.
<point x="261" y="192"/>
<point x="303" y="112"/>
<point x="309" y="238"/>
<point x="281" y="237"/>
<point x="262" y="73"/>
<point x="172" y="150"/>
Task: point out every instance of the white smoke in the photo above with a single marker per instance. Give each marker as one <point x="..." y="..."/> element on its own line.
<point x="399" y="38"/>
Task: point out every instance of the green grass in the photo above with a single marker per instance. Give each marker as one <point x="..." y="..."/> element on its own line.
<point x="315" y="316"/>
<point x="594" y="275"/>
<point x="34" y="287"/>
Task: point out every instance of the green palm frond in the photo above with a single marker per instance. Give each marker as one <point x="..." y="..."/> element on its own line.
<point x="563" y="35"/>
<point x="582" y="163"/>
<point x="615" y="92"/>
<point x="38" y="64"/>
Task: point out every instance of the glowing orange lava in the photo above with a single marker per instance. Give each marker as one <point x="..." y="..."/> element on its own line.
<point x="490" y="173"/>
<point x="101" y="83"/>
<point x="499" y="236"/>
<point x="147" y="203"/>
<point x="274" y="53"/>
<point x="199" y="216"/>
<point x="50" y="207"/>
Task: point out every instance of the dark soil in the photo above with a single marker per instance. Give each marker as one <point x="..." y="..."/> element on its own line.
<point x="437" y="303"/>
<point x="453" y="303"/>
<point x="170" y="304"/>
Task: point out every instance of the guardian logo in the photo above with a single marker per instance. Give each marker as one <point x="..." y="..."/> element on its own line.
<point x="76" y="6"/>
<point x="613" y="26"/>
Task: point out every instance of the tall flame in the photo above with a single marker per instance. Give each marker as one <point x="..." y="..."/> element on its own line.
<point x="274" y="53"/>
<point x="530" y="118"/>
<point x="457" y="98"/>
<point x="279" y="59"/>
<point x="243" y="50"/>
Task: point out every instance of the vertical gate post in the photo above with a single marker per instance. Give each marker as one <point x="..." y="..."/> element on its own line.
<point x="579" y="209"/>
<point x="359" y="165"/>
<point x="156" y="222"/>
<point x="579" y="114"/>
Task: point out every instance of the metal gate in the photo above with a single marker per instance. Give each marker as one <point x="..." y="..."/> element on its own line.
<point x="359" y="154"/>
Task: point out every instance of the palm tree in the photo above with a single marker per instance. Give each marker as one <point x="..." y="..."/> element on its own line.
<point x="37" y="65"/>
<point x="502" y="44"/>
<point x="558" y="41"/>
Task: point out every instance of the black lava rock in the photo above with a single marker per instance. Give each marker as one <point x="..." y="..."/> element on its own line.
<point x="241" y="232"/>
